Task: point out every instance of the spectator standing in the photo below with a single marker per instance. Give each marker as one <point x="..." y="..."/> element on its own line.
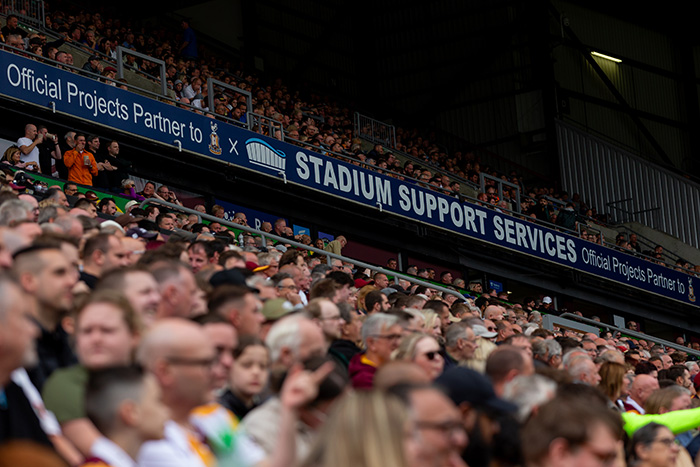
<point x="81" y="163"/>
<point x="29" y="142"/>
<point x="49" y="149"/>
<point x="188" y="49"/>
<point x="66" y="145"/>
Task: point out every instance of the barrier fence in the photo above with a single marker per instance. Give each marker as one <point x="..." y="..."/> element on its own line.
<point x="375" y="131"/>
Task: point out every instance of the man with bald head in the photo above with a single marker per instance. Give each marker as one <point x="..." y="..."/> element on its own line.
<point x="640" y="390"/>
<point x="180" y="355"/>
<point x="28" y="144"/>
<point x="494" y="313"/>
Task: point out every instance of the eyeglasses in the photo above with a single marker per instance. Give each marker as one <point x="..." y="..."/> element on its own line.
<point x="204" y="362"/>
<point x="390" y="337"/>
<point x="449" y="426"/>
<point x="492" y="329"/>
<point x="331" y="318"/>
<point x="668" y="442"/>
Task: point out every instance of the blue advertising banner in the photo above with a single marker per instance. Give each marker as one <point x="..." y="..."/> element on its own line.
<point x="87" y="99"/>
<point x="255" y="218"/>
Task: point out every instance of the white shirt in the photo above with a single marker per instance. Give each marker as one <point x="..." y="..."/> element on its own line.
<point x="634" y="404"/>
<point x="111" y="453"/>
<point x="173" y="450"/>
<point x="32" y="156"/>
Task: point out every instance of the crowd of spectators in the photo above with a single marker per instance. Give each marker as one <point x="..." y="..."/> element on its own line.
<point x="150" y="338"/>
<point x="311" y="121"/>
<point x="125" y="340"/>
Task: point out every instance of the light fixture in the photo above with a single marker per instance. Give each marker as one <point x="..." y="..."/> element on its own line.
<point x="606" y="57"/>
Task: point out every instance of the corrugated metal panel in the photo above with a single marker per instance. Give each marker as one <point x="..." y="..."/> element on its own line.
<point x="603" y="173"/>
<point x="643" y="90"/>
<point x="616" y="36"/>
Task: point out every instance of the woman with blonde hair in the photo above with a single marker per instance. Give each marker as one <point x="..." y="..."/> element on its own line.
<point x="366" y="428"/>
<point x="424" y="351"/>
<point x="432" y="323"/>
<point x="13" y="157"/>
<point x="613" y="383"/>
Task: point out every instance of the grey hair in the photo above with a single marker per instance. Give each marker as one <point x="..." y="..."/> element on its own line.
<point x="576" y="365"/>
<point x="264" y="259"/>
<point x="256" y="281"/>
<point x="529" y="392"/>
<point x="546" y="348"/>
<point x="47" y="213"/>
<point x="572" y="355"/>
<point x="454" y="333"/>
<point x="284" y="333"/>
<point x="376" y="323"/>
<point x="13" y="211"/>
<point x="535" y="316"/>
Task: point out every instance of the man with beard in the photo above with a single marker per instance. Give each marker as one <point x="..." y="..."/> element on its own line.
<point x="47" y="274"/>
<point x="491" y="428"/>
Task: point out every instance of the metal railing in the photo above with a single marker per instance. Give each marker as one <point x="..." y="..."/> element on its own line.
<point x="375" y="131"/>
<point x="632" y="215"/>
<point x="499" y="184"/>
<point x="329" y="256"/>
<point x="28" y="11"/>
<point x="273" y="127"/>
<point x="120" y="65"/>
<point x="629" y="332"/>
<point x="211" y="82"/>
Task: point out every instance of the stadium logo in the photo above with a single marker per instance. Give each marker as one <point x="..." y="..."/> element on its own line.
<point x="262" y="154"/>
<point x="214" y="146"/>
<point x="691" y="290"/>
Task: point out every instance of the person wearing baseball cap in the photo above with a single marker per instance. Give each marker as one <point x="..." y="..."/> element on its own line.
<point x="487" y="418"/>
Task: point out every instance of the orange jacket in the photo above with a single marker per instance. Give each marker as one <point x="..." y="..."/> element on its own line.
<point x="78" y="172"/>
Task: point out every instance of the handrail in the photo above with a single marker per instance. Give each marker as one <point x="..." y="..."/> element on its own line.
<point x="635" y="334"/>
<point x="120" y="65"/>
<point x="295" y="244"/>
<point x="427" y="164"/>
<point x="361" y="120"/>
<point x="499" y="183"/>
<point x="211" y="82"/>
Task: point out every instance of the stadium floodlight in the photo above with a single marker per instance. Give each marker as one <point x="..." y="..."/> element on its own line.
<point x="606" y="57"/>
